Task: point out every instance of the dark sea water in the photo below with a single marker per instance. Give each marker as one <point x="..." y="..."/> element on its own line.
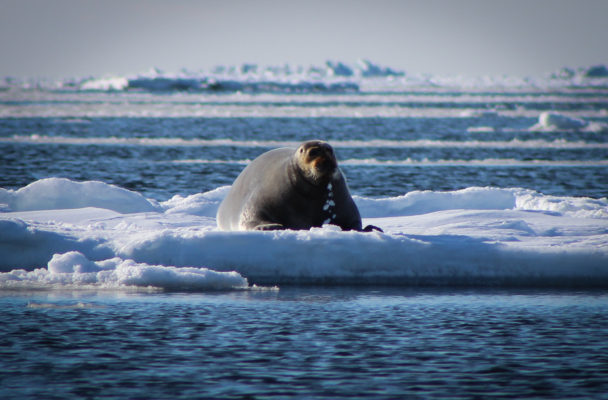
<point x="305" y="343"/>
<point x="388" y="144"/>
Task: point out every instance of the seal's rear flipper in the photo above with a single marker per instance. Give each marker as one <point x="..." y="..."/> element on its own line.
<point x="371" y="228"/>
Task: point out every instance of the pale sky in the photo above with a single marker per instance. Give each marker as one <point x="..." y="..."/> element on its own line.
<point x="74" y="38"/>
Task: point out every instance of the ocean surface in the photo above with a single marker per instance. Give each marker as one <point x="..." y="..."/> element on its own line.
<point x="447" y="144"/>
<point x="77" y="323"/>
<point x="305" y="343"/>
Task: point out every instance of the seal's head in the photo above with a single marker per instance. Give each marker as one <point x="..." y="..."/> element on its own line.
<point x="317" y="161"/>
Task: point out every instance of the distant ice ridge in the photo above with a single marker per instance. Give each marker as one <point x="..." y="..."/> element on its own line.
<point x="475" y="236"/>
<point x="332" y="77"/>
<point x="364" y="68"/>
<point x="594" y="71"/>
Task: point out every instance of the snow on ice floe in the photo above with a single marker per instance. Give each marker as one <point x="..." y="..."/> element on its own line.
<point x="74" y="270"/>
<point x="61" y="193"/>
<point x="474" y="236"/>
<point x="476" y="198"/>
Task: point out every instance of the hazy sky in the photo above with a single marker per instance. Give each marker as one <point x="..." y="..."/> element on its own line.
<point x="65" y="38"/>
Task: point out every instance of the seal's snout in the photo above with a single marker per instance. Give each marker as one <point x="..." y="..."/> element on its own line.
<point x="321" y="157"/>
<point x="325" y="163"/>
<point x="317" y="161"/>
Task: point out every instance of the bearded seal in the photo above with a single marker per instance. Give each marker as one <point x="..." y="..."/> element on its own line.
<point x="290" y="189"/>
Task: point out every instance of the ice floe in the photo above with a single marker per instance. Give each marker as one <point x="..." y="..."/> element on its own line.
<point x="551" y="121"/>
<point x="475" y="236"/>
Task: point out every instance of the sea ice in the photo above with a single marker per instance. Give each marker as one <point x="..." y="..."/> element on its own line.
<point x="551" y="121"/>
<point x="333" y="77"/>
<point x="74" y="270"/>
<point x="474" y="236"/>
<point x="371" y="70"/>
<point x="61" y="193"/>
<point x="339" y="69"/>
<point x="105" y="84"/>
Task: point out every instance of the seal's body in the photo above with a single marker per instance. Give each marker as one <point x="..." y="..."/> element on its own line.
<point x="290" y="189"/>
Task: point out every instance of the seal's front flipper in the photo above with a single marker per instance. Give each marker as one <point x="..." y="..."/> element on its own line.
<point x="268" y="227"/>
<point x="371" y="228"/>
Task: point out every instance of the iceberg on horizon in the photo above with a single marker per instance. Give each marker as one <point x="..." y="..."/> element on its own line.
<point x="369" y="70"/>
<point x="330" y="77"/>
<point x="592" y="72"/>
<point x="596" y="71"/>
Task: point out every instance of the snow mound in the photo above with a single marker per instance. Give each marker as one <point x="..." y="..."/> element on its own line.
<point x="578" y="207"/>
<point x="480" y="198"/>
<point x="61" y="193"/>
<point x="74" y="270"/>
<point x="202" y="204"/>
<point x="422" y="202"/>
